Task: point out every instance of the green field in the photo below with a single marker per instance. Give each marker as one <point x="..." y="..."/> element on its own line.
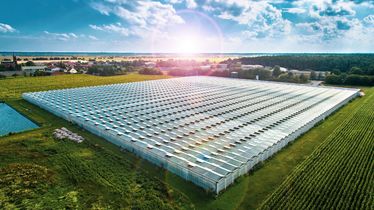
<point x="339" y="173"/>
<point x="37" y="171"/>
<point x="12" y="88"/>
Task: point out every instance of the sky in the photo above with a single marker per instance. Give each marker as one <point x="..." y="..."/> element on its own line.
<point x="187" y="26"/>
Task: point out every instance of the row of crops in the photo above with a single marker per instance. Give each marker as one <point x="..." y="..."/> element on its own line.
<point x="12" y="88"/>
<point x="339" y="173"/>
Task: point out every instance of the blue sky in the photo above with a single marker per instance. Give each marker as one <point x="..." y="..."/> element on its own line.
<point x="187" y="25"/>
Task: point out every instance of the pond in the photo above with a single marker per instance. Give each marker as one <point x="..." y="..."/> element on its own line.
<point x="12" y="121"/>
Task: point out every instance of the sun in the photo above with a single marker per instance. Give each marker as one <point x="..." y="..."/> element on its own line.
<point x="188" y="44"/>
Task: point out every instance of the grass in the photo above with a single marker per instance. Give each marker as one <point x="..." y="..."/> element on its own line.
<point x="11" y="88"/>
<point x="96" y="174"/>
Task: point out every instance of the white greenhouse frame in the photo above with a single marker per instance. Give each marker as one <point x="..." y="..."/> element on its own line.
<point x="207" y="130"/>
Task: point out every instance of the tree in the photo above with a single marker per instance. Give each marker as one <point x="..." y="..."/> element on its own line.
<point x="333" y="79"/>
<point x="355" y="70"/>
<point x="355" y="79"/>
<point x="336" y="79"/>
<point x="29" y="63"/>
<point x="370" y="70"/>
<point x="2" y="68"/>
<point x="336" y="71"/>
<point x="150" y="71"/>
<point x="276" y="71"/>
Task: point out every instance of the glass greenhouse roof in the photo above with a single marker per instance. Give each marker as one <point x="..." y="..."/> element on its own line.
<point x="208" y="130"/>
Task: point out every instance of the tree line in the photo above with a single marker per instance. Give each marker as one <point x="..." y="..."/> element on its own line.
<point x="317" y="62"/>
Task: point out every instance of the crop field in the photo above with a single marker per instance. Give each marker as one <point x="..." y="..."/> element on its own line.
<point x="339" y="174"/>
<point x="12" y="88"/>
<point x="37" y="171"/>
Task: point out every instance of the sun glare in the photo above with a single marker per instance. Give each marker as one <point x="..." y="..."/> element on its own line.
<point x="188" y="44"/>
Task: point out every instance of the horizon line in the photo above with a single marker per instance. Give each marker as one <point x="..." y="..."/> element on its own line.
<point x="187" y="54"/>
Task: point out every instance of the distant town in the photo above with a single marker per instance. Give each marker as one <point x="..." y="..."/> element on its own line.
<point x="331" y="69"/>
<point x="109" y="66"/>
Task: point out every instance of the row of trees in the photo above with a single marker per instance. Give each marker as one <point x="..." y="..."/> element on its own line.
<point x="275" y="75"/>
<point x="261" y="73"/>
<point x="350" y="79"/>
<point x="317" y="62"/>
<point x="105" y="70"/>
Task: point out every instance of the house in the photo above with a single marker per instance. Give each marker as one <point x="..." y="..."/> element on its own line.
<point x="298" y="73"/>
<point x="33" y="69"/>
<point x="150" y="64"/>
<point x="73" y="71"/>
<point x="9" y="63"/>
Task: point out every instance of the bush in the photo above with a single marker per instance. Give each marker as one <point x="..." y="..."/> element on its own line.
<point x="29" y="63"/>
<point x="150" y="71"/>
<point x="334" y="79"/>
<point x="252" y="73"/>
<point x="2" y="76"/>
<point x="105" y="70"/>
<point x="41" y="73"/>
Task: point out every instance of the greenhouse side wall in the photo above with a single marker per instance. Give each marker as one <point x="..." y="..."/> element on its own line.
<point x="197" y="179"/>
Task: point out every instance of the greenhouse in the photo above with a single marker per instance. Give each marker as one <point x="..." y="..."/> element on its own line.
<point x="207" y="130"/>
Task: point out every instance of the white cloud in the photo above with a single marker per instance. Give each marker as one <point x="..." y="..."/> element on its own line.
<point x="93" y="37"/>
<point x="66" y="36"/>
<point x="60" y="36"/>
<point x="329" y="8"/>
<point x="190" y="4"/>
<point x="102" y="8"/>
<point x="261" y="18"/>
<point x="329" y="25"/>
<point x="73" y="35"/>
<point x="369" y="20"/>
<point x="330" y="21"/>
<point x="140" y="17"/>
<point x="118" y="28"/>
<point x="296" y="10"/>
<point x="5" y="28"/>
